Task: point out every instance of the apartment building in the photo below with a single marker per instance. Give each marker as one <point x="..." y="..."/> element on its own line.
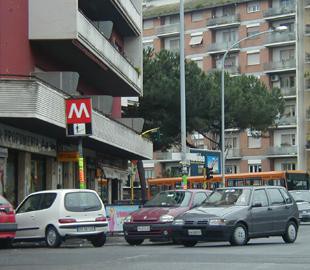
<point x="54" y="50"/>
<point x="211" y="27"/>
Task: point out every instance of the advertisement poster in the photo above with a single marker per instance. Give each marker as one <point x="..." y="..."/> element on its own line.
<point x="213" y="162"/>
<point x="116" y="215"/>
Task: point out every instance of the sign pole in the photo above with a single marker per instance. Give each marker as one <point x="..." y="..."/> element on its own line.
<point x="81" y="164"/>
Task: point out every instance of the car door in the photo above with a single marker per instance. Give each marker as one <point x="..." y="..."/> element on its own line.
<point x="279" y="209"/>
<point x="261" y="216"/>
<point x="26" y="217"/>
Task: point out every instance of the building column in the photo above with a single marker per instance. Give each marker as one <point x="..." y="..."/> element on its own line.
<point x="51" y="173"/>
<point x="24" y="175"/>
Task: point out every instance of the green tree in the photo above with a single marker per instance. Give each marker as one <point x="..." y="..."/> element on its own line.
<point x="248" y="102"/>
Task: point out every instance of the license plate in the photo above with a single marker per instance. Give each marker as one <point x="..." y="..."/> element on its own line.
<point x="305" y="212"/>
<point x="86" y="229"/>
<point x="143" y="228"/>
<point x="194" y="232"/>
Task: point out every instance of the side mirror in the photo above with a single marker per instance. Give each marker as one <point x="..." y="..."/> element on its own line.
<point x="257" y="204"/>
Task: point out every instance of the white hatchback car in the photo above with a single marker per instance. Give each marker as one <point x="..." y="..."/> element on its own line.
<point x="55" y="215"/>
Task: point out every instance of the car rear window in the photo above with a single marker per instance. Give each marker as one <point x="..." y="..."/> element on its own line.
<point x="82" y="202"/>
<point x="3" y="201"/>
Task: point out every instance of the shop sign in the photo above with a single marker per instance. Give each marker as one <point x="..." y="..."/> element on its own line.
<point x="68" y="156"/>
<point x="26" y="141"/>
<point x="79" y="116"/>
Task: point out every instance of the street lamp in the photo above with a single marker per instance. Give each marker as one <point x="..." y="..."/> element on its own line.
<point x="281" y="28"/>
<point x="182" y="91"/>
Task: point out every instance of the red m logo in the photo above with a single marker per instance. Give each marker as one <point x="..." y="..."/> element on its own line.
<point x="78" y="111"/>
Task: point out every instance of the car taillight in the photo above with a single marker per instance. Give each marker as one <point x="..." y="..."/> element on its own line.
<point x="101" y="219"/>
<point x="8" y="210"/>
<point x="66" y="220"/>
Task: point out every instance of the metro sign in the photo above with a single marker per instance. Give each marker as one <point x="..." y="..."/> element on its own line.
<point x="78" y="116"/>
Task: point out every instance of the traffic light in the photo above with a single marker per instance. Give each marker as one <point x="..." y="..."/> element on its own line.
<point x="209" y="172"/>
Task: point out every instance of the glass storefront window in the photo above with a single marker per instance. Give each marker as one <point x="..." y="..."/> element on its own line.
<point x="38" y="173"/>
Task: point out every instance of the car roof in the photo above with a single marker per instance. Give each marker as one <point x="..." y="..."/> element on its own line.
<point x="252" y="187"/>
<point x="302" y="190"/>
<point x="62" y="191"/>
<point x="190" y="190"/>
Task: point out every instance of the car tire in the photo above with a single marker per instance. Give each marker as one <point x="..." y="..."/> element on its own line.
<point x="189" y="243"/>
<point x="239" y="236"/>
<point x="6" y="243"/>
<point x="52" y="237"/>
<point x="134" y="242"/>
<point x="290" y="234"/>
<point x="98" y="240"/>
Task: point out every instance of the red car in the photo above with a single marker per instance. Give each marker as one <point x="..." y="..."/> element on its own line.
<point x="8" y="224"/>
<point x="153" y="221"/>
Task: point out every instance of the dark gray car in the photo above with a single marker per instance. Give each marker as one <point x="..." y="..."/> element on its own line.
<point x="238" y="214"/>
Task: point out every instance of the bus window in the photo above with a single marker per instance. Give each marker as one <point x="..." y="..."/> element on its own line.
<point x="298" y="181"/>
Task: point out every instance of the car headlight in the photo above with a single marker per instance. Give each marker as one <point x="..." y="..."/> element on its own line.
<point x="217" y="221"/>
<point x="178" y="222"/>
<point x="166" y="218"/>
<point x="127" y="219"/>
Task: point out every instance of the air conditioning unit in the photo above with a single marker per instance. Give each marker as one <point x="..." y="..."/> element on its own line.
<point x="275" y="78"/>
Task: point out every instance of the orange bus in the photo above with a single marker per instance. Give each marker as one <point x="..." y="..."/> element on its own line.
<point x="292" y="180"/>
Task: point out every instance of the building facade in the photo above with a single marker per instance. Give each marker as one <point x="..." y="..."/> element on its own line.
<point x="211" y="27"/>
<point x="54" y="50"/>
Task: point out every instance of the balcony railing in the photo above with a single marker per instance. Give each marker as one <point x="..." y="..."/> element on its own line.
<point x="232" y="70"/>
<point x="307" y="84"/>
<point x="224" y="20"/>
<point x="283" y="150"/>
<point x="280" y="65"/>
<point x="233" y="153"/>
<point x="286" y="121"/>
<point x="280" y="11"/>
<point x="221" y="46"/>
<point x="281" y="37"/>
<point x="288" y="91"/>
<point x="168" y="29"/>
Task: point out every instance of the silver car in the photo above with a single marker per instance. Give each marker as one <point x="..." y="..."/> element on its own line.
<point x="302" y="198"/>
<point x="238" y="214"/>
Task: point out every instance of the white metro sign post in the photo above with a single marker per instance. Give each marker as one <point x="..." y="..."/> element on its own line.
<point x="78" y="121"/>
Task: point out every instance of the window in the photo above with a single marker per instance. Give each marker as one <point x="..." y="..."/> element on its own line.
<point x="232" y="142"/>
<point x="196" y="39"/>
<point x="287" y="54"/>
<point x="260" y="197"/>
<point x="149" y="173"/>
<point x="275" y="196"/>
<point x="148" y="24"/>
<point x="253" y="6"/>
<point x="230" y="61"/>
<point x="287" y="81"/>
<point x="32" y="203"/>
<point x="172" y="19"/>
<point x="172" y="44"/>
<point x="82" y="202"/>
<point x="286" y="3"/>
<point x="47" y="200"/>
<point x="254" y="142"/>
<point x="255" y="168"/>
<point x="229" y="36"/>
<point x="290" y="110"/>
<point x="199" y="198"/>
<point x="252" y="31"/>
<point x="231" y="169"/>
<point x="198" y="61"/>
<point x="229" y="11"/>
<point x="287" y="166"/>
<point x="197" y="16"/>
<point x="148" y="45"/>
<point x="290" y="26"/>
<point x="253" y="58"/>
<point x="287" y="198"/>
<point x="288" y="139"/>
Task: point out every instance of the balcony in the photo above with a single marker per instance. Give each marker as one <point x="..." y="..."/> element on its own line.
<point x="287" y="121"/>
<point x="307" y="3"/>
<point x="223" y="22"/>
<point x="307" y="84"/>
<point x="288" y="92"/>
<point x="232" y="70"/>
<point x="72" y="39"/>
<point x="307" y="29"/>
<point x="280" y="66"/>
<point x="280" y="39"/>
<point x="282" y="151"/>
<point x="36" y="106"/>
<point x="233" y="153"/>
<point x="168" y="30"/>
<point x="280" y="12"/>
<point x="221" y="47"/>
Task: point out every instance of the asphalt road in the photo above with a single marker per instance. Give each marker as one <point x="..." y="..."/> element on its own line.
<point x="269" y="253"/>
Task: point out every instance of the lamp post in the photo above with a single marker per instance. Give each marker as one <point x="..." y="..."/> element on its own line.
<point x="277" y="29"/>
<point x="182" y="92"/>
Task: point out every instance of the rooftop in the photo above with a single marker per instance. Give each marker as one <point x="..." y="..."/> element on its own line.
<point x="189" y="5"/>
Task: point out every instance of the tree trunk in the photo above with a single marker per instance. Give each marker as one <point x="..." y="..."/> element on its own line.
<point x="142" y="180"/>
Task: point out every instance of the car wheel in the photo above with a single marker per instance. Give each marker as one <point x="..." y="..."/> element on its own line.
<point x="134" y="242"/>
<point x="98" y="240"/>
<point x="239" y="235"/>
<point x="6" y="243"/>
<point x="189" y="243"/>
<point x="52" y="237"/>
<point x="290" y="234"/>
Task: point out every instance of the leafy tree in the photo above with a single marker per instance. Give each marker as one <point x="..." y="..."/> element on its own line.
<point x="248" y="102"/>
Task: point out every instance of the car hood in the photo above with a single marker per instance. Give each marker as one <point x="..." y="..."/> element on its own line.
<point x="303" y="206"/>
<point x="154" y="213"/>
<point x="208" y="212"/>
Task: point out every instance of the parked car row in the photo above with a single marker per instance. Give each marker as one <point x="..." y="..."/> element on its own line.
<point x="235" y="214"/>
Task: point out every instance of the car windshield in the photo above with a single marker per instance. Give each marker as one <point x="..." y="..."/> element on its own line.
<point x="228" y="197"/>
<point x="82" y="202"/>
<point x="301" y="196"/>
<point x="170" y="199"/>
